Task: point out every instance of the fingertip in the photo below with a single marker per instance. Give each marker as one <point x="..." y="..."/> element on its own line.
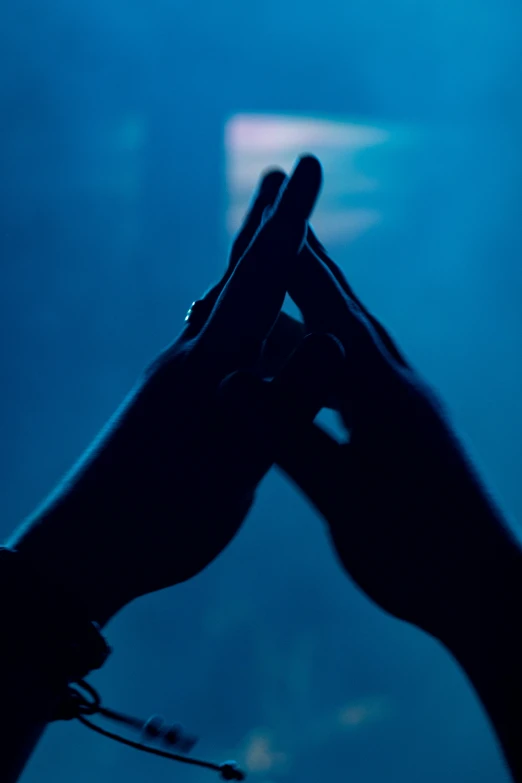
<point x="318" y="364"/>
<point x="271" y="182"/>
<point x="265" y="196"/>
<point x="310" y="169"/>
<point x="324" y="347"/>
<point x="312" y="164"/>
<point x="302" y="188"/>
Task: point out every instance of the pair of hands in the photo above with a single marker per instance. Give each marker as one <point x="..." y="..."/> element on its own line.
<point x="168" y="483"/>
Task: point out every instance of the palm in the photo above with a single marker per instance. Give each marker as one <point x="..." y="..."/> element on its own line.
<point x="398" y="514"/>
<point x="167" y="484"/>
<point x="402" y="503"/>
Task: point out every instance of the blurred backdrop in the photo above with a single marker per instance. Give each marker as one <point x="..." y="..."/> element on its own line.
<point x="131" y="136"/>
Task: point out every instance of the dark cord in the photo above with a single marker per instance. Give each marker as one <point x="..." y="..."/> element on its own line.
<point x="76" y="705"/>
<point x="155" y="751"/>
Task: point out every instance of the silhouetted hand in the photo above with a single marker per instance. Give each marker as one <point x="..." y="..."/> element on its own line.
<point x="166" y="486"/>
<point x="409" y="519"/>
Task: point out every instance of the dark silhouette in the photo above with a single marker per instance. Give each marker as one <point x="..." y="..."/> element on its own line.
<point x="169" y="481"/>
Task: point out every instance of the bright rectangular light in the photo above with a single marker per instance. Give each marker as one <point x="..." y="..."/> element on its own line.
<point x="355" y="157"/>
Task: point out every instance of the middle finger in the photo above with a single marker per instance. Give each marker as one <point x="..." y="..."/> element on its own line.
<point x="250" y="302"/>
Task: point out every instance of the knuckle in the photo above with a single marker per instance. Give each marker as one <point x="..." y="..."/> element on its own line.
<point x="168" y="362"/>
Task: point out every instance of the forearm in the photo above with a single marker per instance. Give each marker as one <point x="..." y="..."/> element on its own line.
<point x="29" y="696"/>
<point x="47" y="642"/>
<point x="489" y="648"/>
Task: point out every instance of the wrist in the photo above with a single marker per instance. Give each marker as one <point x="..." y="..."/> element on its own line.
<point x="488" y="647"/>
<point x="488" y="598"/>
<point x="44" y="624"/>
<point x="492" y="618"/>
<point x="68" y="564"/>
<point x="84" y="589"/>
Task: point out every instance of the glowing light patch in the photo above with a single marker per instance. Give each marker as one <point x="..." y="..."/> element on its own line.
<point x="275" y="134"/>
<point x="261" y="757"/>
<point x="361" y="712"/>
<point x="255" y="143"/>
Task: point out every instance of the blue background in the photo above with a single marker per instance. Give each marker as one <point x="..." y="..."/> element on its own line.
<point x="115" y="190"/>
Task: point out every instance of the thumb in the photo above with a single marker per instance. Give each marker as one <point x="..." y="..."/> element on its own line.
<point x="261" y="418"/>
<point x="317" y="464"/>
<point x="264" y="199"/>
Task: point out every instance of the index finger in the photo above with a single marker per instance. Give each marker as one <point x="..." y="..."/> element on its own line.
<point x="264" y="198"/>
<point x="327" y="308"/>
<point x="386" y="338"/>
<point x="249" y="304"/>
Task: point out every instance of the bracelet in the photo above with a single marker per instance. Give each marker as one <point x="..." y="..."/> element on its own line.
<point x="43" y="617"/>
